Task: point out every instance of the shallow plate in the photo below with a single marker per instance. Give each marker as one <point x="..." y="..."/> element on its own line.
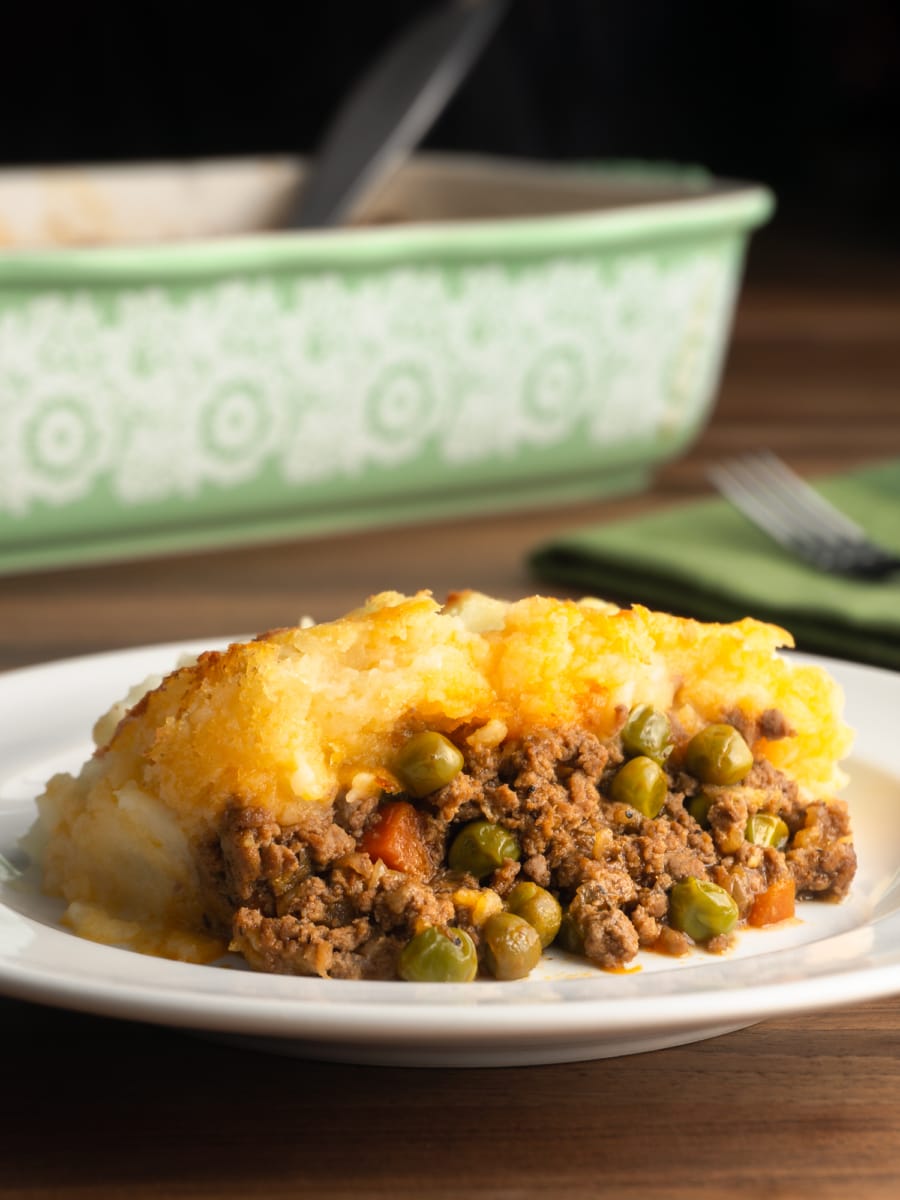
<point x="566" y="1010"/>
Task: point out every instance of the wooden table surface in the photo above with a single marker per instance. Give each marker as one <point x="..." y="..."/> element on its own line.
<point x="795" y="1107"/>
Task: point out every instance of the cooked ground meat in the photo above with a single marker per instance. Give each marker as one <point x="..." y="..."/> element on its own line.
<point x="770" y="724"/>
<point x="309" y="899"/>
<point x="820" y="855"/>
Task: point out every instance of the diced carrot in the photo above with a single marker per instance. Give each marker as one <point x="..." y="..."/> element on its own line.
<point x="776" y="903"/>
<point x="396" y="838"/>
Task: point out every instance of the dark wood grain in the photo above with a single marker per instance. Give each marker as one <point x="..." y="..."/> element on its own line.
<point x="801" y="1107"/>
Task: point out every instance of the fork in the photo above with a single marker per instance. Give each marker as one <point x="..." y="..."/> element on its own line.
<point x="793" y="514"/>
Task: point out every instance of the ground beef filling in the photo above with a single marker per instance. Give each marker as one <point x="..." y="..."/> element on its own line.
<point x="306" y="899"/>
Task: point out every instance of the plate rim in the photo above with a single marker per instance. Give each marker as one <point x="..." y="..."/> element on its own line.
<point x="404" y="1015"/>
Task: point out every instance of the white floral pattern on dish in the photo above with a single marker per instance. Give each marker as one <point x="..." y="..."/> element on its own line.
<point x="151" y="394"/>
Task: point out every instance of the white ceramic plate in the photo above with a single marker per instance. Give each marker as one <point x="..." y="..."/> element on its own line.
<point x="566" y="1011"/>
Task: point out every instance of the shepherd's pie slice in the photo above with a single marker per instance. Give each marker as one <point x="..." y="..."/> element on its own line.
<point x="433" y="791"/>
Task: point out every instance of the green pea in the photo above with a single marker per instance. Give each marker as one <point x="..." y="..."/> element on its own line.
<point x="718" y="755"/>
<point x="427" y="762"/>
<point x="766" y="829"/>
<point x="641" y="784"/>
<point x="571" y="935"/>
<point x="439" y="956"/>
<point x="701" y="910"/>
<point x="698" y="806"/>
<point x="481" y="847"/>
<point x="512" y="947"/>
<point x="647" y="731"/>
<point x="538" y="907"/>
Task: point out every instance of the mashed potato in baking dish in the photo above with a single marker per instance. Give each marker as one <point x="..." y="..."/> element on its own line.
<point x="435" y="791"/>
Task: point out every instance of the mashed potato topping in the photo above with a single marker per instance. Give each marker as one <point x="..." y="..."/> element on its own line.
<point x="304" y="725"/>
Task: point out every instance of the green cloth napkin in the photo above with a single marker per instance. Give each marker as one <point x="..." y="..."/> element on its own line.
<point x="703" y="559"/>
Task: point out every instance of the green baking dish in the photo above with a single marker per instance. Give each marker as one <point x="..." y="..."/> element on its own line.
<point x="176" y="372"/>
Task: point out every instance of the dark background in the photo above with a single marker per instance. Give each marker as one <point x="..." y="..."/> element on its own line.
<point x="801" y="94"/>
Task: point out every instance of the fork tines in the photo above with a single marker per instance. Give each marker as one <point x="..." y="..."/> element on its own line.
<point x="791" y="512"/>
